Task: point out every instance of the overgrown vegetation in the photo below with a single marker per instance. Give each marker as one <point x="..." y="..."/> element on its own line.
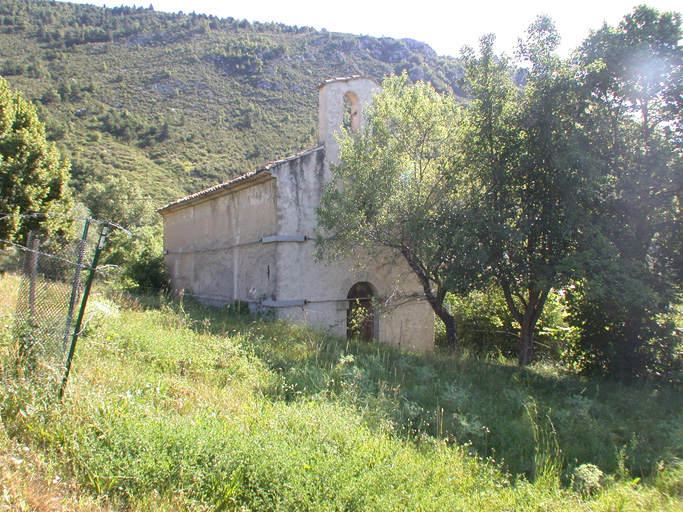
<point x="149" y="106"/>
<point x="569" y="187"/>
<point x="175" y="406"/>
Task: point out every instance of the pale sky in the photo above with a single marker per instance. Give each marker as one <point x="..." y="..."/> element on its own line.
<point x="445" y="25"/>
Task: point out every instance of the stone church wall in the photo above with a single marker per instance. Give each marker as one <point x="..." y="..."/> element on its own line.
<point x="253" y="239"/>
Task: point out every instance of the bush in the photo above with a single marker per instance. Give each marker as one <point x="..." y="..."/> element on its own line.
<point x="11" y="68"/>
<point x="625" y="337"/>
<point x="485" y="326"/>
<point x="148" y="273"/>
<point x="483" y="323"/>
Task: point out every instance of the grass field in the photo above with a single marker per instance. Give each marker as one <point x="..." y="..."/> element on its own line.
<point x="172" y="406"/>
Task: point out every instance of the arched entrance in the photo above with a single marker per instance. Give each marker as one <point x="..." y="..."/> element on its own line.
<point x="360" y="317"/>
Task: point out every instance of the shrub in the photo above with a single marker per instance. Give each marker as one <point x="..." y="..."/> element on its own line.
<point x="148" y="272"/>
<point x="485" y="326"/>
<point x="624" y="337"/>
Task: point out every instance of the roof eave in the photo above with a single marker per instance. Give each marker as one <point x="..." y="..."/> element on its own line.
<point x="260" y="175"/>
<point x="230" y="187"/>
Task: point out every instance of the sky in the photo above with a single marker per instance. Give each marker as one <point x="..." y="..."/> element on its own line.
<point x="446" y="25"/>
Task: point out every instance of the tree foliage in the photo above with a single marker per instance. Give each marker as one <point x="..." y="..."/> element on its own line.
<point x="570" y="182"/>
<point x="527" y="152"/>
<point x="397" y="186"/>
<point x="33" y="176"/>
<point x="633" y="82"/>
<point x="139" y="252"/>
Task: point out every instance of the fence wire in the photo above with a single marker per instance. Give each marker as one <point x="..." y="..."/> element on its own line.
<point x="53" y="276"/>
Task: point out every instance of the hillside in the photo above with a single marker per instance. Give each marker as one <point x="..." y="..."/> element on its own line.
<point x="178" y="102"/>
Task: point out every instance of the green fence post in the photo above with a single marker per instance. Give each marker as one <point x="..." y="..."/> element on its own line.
<point x="76" y="283"/>
<point x="81" y="312"/>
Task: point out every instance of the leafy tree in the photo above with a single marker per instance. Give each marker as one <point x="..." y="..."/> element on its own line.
<point x="137" y="253"/>
<point x="116" y="199"/>
<point x="50" y="96"/>
<point x="396" y="189"/>
<point x="11" y="68"/>
<point x="633" y="78"/>
<point x="526" y="150"/>
<point x="33" y="176"/>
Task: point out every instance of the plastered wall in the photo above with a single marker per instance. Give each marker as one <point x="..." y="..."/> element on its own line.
<point x="214" y="249"/>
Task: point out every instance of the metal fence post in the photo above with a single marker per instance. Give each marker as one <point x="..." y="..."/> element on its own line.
<point x="33" y="245"/>
<point x="76" y="283"/>
<point x="81" y="312"/>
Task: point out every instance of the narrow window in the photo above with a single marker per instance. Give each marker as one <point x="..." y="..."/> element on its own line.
<point x="351" y="121"/>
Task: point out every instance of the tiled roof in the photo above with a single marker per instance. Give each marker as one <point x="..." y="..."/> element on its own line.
<point x="234" y="182"/>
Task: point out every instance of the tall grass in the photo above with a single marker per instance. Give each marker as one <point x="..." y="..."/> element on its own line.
<point x="174" y="407"/>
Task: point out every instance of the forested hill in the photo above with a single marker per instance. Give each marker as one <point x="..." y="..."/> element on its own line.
<point x="177" y="102"/>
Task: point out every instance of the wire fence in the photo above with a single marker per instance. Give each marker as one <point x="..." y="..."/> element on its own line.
<point x="50" y="289"/>
<point x="56" y="275"/>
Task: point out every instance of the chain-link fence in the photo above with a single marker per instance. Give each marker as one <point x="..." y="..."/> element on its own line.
<point x="56" y="278"/>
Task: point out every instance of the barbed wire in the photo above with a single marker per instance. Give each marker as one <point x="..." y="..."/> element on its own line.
<point x="56" y="275"/>
<point x="36" y="215"/>
<point x="100" y="269"/>
<point x="42" y="253"/>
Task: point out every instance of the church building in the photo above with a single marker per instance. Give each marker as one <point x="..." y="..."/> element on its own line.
<point x="252" y="239"/>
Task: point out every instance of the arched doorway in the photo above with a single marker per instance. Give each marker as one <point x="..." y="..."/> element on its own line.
<point x="360" y="317"/>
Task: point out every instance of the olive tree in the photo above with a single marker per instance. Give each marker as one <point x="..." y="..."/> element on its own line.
<point x="397" y="189"/>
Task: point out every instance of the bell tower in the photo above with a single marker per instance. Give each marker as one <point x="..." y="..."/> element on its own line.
<point x="342" y="102"/>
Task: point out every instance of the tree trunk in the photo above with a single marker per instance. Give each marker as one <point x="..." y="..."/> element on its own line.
<point x="451" y="335"/>
<point x="435" y="300"/>
<point x="526" y="341"/>
<point x="527" y="315"/>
